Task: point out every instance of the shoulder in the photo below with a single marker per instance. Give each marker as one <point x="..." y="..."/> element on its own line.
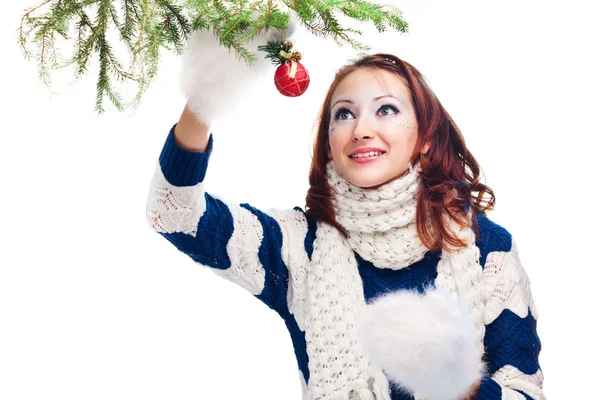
<point x="491" y="237"/>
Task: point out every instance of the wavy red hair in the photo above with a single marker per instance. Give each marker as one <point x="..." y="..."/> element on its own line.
<point x="451" y="181"/>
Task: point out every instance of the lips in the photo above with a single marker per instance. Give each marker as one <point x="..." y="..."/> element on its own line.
<point x="366" y="150"/>
<point x="366" y="155"/>
<point x="366" y="158"/>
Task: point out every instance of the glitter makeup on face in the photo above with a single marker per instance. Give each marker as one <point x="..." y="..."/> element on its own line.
<point x="406" y="125"/>
<point x="331" y="130"/>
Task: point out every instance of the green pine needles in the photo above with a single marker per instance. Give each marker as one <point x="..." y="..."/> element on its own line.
<point x="146" y="27"/>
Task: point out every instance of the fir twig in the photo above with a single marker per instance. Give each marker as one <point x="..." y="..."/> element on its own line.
<point x="146" y="27"/>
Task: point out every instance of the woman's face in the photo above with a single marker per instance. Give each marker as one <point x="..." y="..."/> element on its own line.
<point x="373" y="127"/>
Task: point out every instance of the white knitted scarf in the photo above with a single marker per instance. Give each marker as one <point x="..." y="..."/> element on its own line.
<point x="381" y="227"/>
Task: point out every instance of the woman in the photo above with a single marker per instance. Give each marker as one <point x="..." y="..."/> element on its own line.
<point x="393" y="283"/>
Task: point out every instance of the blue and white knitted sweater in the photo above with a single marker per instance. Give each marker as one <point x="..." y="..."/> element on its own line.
<point x="255" y="250"/>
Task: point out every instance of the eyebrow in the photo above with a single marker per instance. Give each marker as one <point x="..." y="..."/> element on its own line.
<point x="374" y="99"/>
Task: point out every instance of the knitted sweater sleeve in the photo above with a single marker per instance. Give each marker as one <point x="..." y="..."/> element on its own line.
<point x="512" y="345"/>
<point x="244" y="245"/>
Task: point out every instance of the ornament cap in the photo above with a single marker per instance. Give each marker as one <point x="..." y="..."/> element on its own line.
<point x="280" y="52"/>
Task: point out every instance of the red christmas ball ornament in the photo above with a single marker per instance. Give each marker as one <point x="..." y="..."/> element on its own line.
<point x="291" y="79"/>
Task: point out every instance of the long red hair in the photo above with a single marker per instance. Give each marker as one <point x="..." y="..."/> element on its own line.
<point x="450" y="176"/>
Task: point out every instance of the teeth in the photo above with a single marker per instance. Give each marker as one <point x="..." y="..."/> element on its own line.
<point x="369" y="154"/>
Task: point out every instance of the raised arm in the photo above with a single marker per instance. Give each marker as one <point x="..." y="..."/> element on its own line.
<point x="238" y="242"/>
<point x="247" y="246"/>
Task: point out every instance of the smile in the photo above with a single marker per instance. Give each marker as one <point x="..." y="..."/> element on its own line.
<point x="363" y="158"/>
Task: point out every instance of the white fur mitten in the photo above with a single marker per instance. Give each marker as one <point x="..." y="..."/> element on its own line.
<point x="425" y="343"/>
<point x="215" y="79"/>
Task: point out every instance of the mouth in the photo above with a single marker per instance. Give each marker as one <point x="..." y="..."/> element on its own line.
<point x="366" y="157"/>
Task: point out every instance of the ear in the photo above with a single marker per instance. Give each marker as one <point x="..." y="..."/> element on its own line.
<point x="426" y="148"/>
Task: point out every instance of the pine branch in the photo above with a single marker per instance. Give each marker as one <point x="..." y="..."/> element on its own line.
<point x="147" y="27"/>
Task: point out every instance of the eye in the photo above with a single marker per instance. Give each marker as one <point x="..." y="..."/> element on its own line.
<point x="342" y="113"/>
<point x="390" y="109"/>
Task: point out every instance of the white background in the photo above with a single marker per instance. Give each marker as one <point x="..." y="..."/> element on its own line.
<point x="95" y="305"/>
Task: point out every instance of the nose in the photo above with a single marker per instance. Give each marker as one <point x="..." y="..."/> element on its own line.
<point x="362" y="130"/>
<point x="356" y="138"/>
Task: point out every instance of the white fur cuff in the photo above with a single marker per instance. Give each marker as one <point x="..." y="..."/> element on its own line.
<point x="424" y="343"/>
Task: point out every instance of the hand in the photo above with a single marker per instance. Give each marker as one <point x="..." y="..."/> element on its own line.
<point x="213" y="77"/>
<point x="434" y="350"/>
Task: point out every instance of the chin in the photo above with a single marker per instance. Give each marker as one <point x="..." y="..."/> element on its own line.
<point x="371" y="178"/>
<point x="368" y="182"/>
<point x="363" y="179"/>
<point x="375" y="186"/>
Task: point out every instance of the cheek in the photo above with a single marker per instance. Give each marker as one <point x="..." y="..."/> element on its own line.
<point x="405" y="135"/>
<point x="406" y="124"/>
<point x="408" y="130"/>
<point x="335" y="141"/>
